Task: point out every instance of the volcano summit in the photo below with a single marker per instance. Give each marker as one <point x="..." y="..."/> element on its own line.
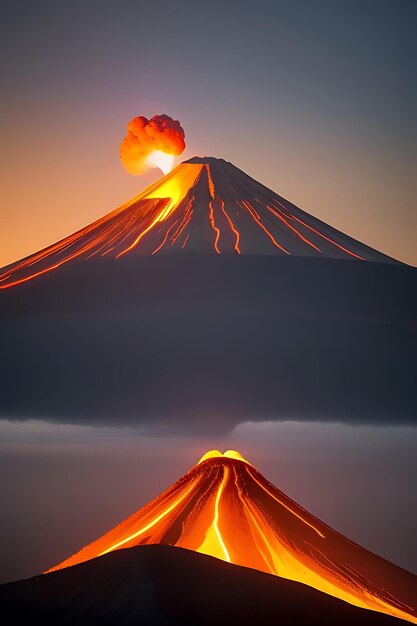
<point x="204" y="206"/>
<point x="225" y="508"/>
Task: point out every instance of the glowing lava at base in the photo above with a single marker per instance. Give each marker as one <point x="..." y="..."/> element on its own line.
<point x="225" y="508"/>
<point x="162" y="160"/>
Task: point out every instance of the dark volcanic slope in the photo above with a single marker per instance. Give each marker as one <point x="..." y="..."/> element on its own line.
<point x="204" y="206"/>
<point x="165" y="585"/>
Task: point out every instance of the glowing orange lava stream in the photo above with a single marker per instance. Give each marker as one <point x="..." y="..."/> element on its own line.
<point x="225" y="508"/>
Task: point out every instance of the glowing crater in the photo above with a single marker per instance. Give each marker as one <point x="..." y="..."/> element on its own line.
<point x="229" y="454"/>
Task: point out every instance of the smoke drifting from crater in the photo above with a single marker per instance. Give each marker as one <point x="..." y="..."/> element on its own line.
<point x="144" y="137"/>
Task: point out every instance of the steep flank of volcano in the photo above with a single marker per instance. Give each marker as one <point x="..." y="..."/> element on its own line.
<point x="225" y="508"/>
<point x="204" y="206"/>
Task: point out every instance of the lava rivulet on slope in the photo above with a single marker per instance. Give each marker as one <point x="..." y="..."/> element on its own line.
<point x="204" y="206"/>
<point x="225" y="508"/>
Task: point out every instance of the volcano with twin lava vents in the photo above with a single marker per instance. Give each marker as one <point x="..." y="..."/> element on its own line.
<point x="225" y="508"/>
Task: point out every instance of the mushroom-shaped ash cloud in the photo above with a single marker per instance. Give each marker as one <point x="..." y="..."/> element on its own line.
<point x="151" y="143"/>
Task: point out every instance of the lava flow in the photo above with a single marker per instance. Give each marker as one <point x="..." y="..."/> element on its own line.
<point x="204" y="206"/>
<point x="225" y="508"/>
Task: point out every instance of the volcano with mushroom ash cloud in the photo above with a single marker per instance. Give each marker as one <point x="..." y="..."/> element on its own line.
<point x="215" y="289"/>
<point x="223" y="507"/>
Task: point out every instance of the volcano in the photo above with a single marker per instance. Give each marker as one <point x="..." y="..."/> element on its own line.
<point x="206" y="301"/>
<point x="223" y="507"/>
<point x="204" y="206"/>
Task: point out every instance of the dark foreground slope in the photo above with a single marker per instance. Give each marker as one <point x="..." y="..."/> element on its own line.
<point x="164" y="585"/>
<point x="198" y="341"/>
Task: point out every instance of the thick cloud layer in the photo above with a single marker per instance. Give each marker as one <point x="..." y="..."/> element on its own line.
<point x="199" y="347"/>
<point x="160" y="133"/>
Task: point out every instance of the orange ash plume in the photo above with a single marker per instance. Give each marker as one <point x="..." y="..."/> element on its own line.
<point x="225" y="508"/>
<point x="151" y="143"/>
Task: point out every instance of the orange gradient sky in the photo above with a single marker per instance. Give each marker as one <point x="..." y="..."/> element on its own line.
<point x="286" y="97"/>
